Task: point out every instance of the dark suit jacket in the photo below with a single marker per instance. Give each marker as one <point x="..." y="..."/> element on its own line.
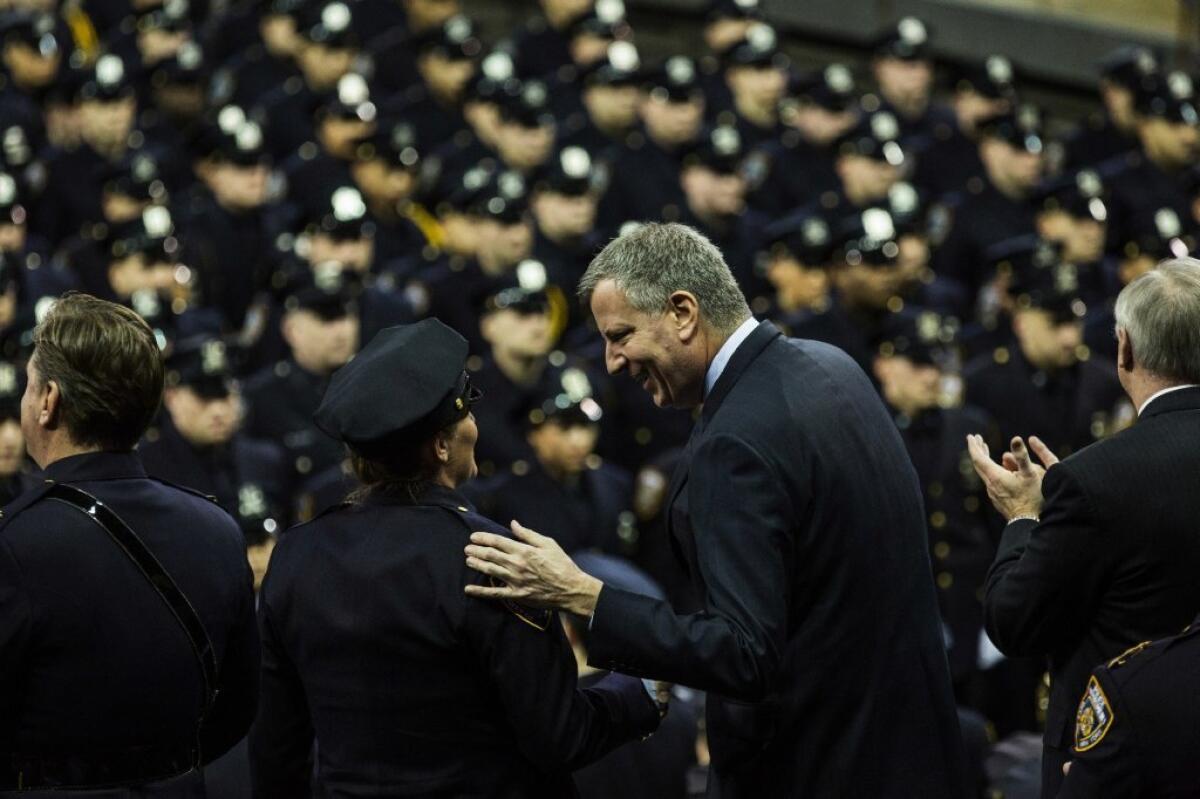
<point x="1113" y="561"/>
<point x="798" y="514"/>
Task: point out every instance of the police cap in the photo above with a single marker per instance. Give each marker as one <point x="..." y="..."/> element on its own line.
<point x="831" y="88"/>
<point x="455" y="40"/>
<point x="12" y="212"/>
<point x="1170" y="96"/>
<point x="619" y="67"/>
<point x="342" y="216"/>
<point x="495" y="78"/>
<point x="721" y="150"/>
<point x="187" y="67"/>
<point x="994" y="78"/>
<point x="201" y="363"/>
<point x="1129" y="65"/>
<point x="232" y="137"/>
<point x="137" y="175"/>
<point x="569" y="402"/>
<point x="921" y="335"/>
<point x="1038" y="277"/>
<point x="875" y="136"/>
<point x="759" y="49"/>
<point x="151" y="235"/>
<point x="676" y="81"/>
<point x="867" y="237"/>
<point x="1159" y="232"/>
<point x="408" y="383"/>
<point x="528" y="105"/>
<point x="395" y="142"/>
<point x="908" y="39"/>
<point x="329" y="24"/>
<point x="572" y="171"/>
<point x="606" y="20"/>
<point x="1080" y="194"/>
<point x="35" y="29"/>
<point x="107" y="80"/>
<point x="326" y="289"/>
<point x="505" y="199"/>
<point x="804" y="235"/>
<point x="1021" y="128"/>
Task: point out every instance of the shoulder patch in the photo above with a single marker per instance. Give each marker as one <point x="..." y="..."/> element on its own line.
<point x="535" y="617"/>
<point x="1094" y="717"/>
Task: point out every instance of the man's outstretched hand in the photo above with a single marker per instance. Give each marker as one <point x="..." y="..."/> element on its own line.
<point x="535" y="572"/>
<point x="1015" y="484"/>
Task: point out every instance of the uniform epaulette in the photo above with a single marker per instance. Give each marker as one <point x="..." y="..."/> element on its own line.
<point x="1121" y="659"/>
<point x="185" y="489"/>
<point x="30" y="497"/>
<point x="538" y="618"/>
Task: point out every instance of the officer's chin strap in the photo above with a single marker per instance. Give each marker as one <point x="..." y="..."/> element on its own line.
<point x="162" y="583"/>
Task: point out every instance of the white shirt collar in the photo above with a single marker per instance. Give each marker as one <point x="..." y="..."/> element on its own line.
<point x="1158" y="394"/>
<point x="721" y="360"/>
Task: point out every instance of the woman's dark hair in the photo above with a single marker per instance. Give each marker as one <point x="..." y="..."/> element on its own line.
<point x="406" y="472"/>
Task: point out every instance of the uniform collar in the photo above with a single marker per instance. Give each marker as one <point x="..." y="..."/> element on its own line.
<point x="433" y="494"/>
<point x="92" y="466"/>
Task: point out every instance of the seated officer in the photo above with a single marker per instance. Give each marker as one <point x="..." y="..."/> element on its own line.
<point x="1011" y="148"/>
<point x="609" y="99"/>
<point x="756" y="73"/>
<point x="715" y="185"/>
<point x="329" y="45"/>
<point x="141" y="597"/>
<point x="518" y="325"/>
<point x="223" y="214"/>
<point x="455" y="695"/>
<point x="198" y="443"/>
<point x="504" y="241"/>
<point x="542" y="44"/>
<point x="951" y="161"/>
<point x="868" y="161"/>
<point x="903" y="71"/>
<point x="645" y="175"/>
<point x="1151" y="235"/>
<point x="565" y="196"/>
<point x="525" y="135"/>
<point x="915" y="367"/>
<point x="580" y="501"/>
<point x="816" y="112"/>
<point x="797" y="262"/>
<point x="1072" y="213"/>
<point x="447" y="58"/>
<point x="320" y="325"/>
<point x="1046" y="384"/>
<point x="386" y="170"/>
<point x="30" y="50"/>
<point x="1134" y="731"/>
<point x="1113" y="132"/>
<point x="15" y="478"/>
<point x="1157" y="174"/>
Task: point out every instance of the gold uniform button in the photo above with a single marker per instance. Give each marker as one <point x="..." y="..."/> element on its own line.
<point x="937" y="520"/>
<point x="941" y="550"/>
<point x="945" y="580"/>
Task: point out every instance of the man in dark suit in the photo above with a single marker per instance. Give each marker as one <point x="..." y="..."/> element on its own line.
<point x="1103" y="552"/>
<point x="128" y="644"/>
<point x="799" y="516"/>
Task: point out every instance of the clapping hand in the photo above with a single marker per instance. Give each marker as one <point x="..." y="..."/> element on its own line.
<point x="1015" y="484"/>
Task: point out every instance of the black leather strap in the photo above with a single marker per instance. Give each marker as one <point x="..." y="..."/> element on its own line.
<point x="153" y="571"/>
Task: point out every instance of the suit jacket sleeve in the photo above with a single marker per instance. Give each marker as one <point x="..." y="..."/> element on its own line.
<point x="742" y="520"/>
<point x="238" y="674"/>
<point x="535" y="677"/>
<point x="282" y="737"/>
<point x="1042" y="587"/>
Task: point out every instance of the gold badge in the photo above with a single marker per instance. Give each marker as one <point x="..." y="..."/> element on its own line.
<point x="1094" y="718"/>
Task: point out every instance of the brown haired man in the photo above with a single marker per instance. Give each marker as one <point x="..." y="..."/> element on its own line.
<point x="128" y="646"/>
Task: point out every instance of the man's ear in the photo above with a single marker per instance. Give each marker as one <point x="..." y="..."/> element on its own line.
<point x="1124" y="351"/>
<point x="49" y="404"/>
<point x="685" y="314"/>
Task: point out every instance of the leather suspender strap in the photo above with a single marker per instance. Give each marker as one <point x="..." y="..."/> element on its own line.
<point x="155" y="574"/>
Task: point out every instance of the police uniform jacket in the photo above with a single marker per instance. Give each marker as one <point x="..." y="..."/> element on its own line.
<point x="1135" y="728"/>
<point x="1112" y="562"/>
<point x="94" y="668"/>
<point x="798" y="514"/>
<point x="1067" y="409"/>
<point x="249" y="478"/>
<point x="280" y="403"/>
<point x="410" y="687"/>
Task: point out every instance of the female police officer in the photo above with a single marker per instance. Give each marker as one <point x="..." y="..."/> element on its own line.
<point x="409" y="687"/>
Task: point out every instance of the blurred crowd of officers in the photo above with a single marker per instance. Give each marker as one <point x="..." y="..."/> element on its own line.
<point x="270" y="183"/>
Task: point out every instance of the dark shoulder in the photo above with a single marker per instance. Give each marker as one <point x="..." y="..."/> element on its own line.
<point x="1151" y="666"/>
<point x="260" y="452"/>
<point x="268" y="378"/>
<point x="12" y="513"/>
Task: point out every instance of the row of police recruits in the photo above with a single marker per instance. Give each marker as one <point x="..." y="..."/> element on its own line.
<point x="272" y="184"/>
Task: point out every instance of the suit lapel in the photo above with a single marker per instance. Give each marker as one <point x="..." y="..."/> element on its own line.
<point x="745" y="354"/>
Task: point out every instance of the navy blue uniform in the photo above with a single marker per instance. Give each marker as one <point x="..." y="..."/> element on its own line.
<point x="94" y="668"/>
<point x="1135" y="729"/>
<point x="281" y="401"/>
<point x="409" y="687"/>
<point x="250" y="479"/>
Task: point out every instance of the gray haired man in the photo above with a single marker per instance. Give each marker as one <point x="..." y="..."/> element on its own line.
<point x="797" y="513"/>
<point x="1101" y="551"/>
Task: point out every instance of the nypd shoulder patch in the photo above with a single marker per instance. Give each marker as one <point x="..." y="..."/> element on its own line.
<point x="1094" y="718"/>
<point x="537" y="618"/>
